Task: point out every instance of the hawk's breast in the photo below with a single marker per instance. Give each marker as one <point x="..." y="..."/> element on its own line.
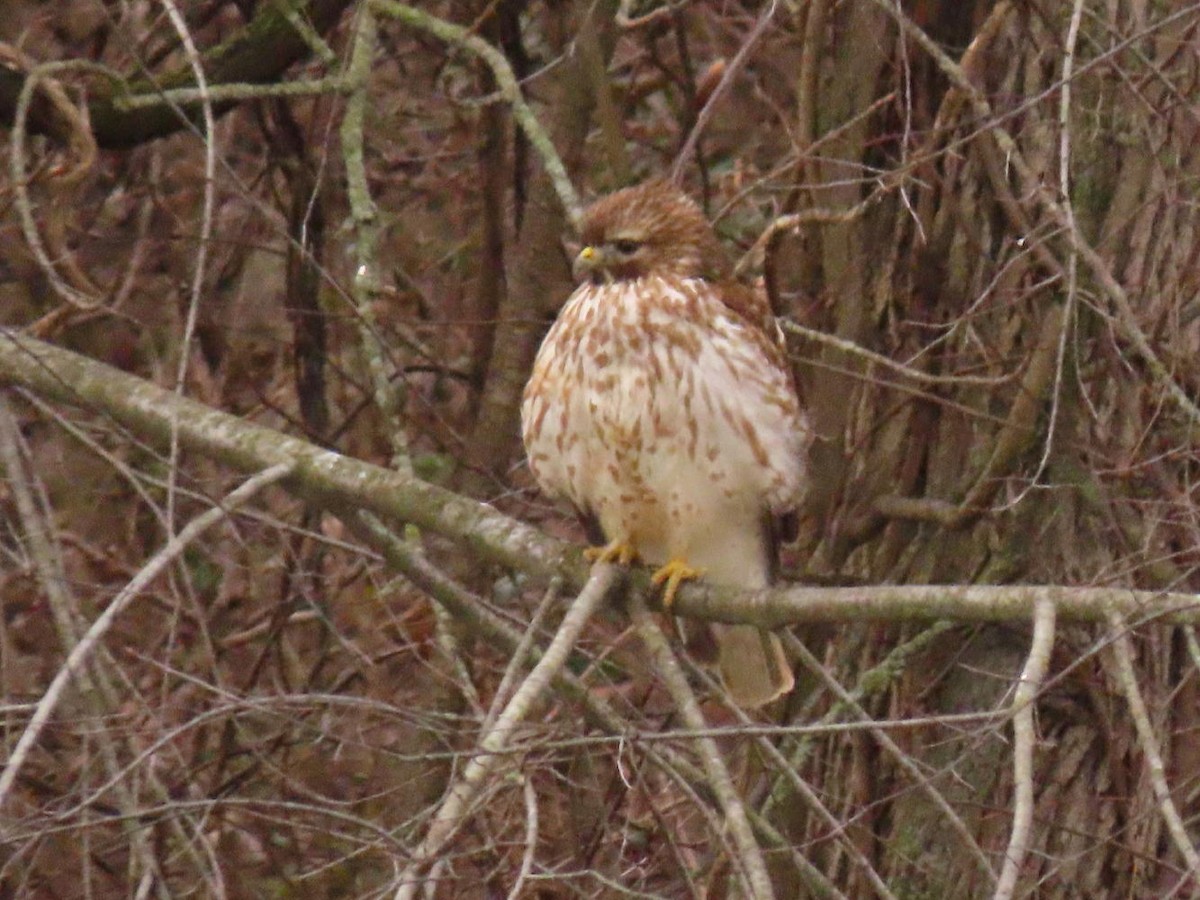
<point x="651" y="404"/>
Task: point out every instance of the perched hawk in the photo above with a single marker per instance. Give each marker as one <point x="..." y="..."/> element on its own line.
<point x="661" y="407"/>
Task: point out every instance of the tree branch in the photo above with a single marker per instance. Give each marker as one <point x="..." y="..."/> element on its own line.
<point x="1127" y="676"/>
<point x="510" y="90"/>
<point x="77" y="658"/>
<point x="330" y="480"/>
<point x="456" y="808"/>
<point x="1024" y="740"/>
<point x="320" y="477"/>
<point x="748" y="861"/>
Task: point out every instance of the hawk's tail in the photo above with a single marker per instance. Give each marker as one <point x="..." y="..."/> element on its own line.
<point x="752" y="664"/>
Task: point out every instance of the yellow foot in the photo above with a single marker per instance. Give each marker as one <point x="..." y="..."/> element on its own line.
<point x="619" y="552"/>
<point x="674" y="573"/>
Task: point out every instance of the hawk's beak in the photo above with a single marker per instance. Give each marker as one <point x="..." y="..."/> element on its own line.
<point x="588" y="261"/>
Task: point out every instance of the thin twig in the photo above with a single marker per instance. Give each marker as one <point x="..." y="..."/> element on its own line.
<point x="727" y="77"/>
<point x="452" y="814"/>
<point x="206" y="223"/>
<point x="521" y="654"/>
<point x="81" y="651"/>
<point x="1024" y="739"/>
<point x="887" y="362"/>
<point x="666" y="11"/>
<point x="531" y="839"/>
<point x="1123" y="654"/>
<point x="508" y="86"/>
<point x="813" y="215"/>
<point x="1072" y="267"/>
<point x="797" y="648"/>
<point x="749" y="861"/>
<point x="76" y="289"/>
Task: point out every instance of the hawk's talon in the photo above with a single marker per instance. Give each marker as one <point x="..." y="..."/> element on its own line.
<point x="674" y="574"/>
<point x="620" y="552"/>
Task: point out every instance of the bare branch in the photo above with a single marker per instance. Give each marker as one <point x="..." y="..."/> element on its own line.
<point x="368" y="281"/>
<point x="206" y="223"/>
<point x="748" y="861"/>
<point x="727" y="77"/>
<point x="1024" y="740"/>
<point x="453" y="812"/>
<point x="1123" y="653"/>
<point x="928" y="603"/>
<point x="531" y="838"/>
<point x="321" y="476"/>
<point x="327" y="478"/>
<point x="509" y="89"/>
<point x="79" y="654"/>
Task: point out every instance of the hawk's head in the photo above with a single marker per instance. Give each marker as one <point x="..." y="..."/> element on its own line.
<point x="651" y="228"/>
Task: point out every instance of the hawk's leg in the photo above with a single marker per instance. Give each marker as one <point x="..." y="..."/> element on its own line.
<point x="620" y="552"/>
<point x="673" y="573"/>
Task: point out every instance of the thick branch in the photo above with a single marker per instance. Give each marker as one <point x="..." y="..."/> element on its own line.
<point x="321" y="477"/>
<point x="328" y="479"/>
<point x="926" y="603"/>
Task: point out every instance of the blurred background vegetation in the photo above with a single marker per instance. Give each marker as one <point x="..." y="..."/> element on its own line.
<point x="278" y="714"/>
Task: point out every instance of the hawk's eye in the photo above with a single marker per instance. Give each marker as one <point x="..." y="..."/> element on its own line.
<point x="626" y="247"/>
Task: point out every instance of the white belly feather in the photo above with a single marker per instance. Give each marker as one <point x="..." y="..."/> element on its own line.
<point x="668" y="422"/>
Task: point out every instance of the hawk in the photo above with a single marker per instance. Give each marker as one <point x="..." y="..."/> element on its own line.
<point x="662" y="408"/>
